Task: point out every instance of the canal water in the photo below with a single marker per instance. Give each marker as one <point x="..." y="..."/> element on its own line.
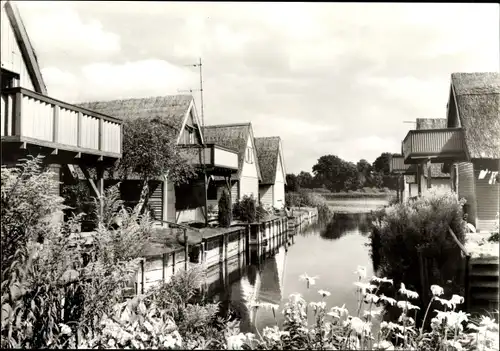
<point x="331" y="251"/>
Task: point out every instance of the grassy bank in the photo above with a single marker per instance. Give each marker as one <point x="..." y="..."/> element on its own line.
<point x="358" y="195"/>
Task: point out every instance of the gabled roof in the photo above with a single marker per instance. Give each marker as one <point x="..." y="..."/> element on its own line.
<point x="171" y="109"/>
<point x="234" y="137"/>
<point x="267" y="153"/>
<point x="477" y="97"/>
<point x="27" y="50"/>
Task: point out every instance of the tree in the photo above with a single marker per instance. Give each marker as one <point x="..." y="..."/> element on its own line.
<point x="150" y="150"/>
<point x="382" y="163"/>
<point x="292" y="183"/>
<point x="225" y="210"/>
<point x="305" y="179"/>
<point x="335" y="173"/>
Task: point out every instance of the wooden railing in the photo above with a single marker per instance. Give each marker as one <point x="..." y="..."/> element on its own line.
<point x="211" y="155"/>
<point x="31" y="117"/>
<point x="443" y="144"/>
<point x="398" y="165"/>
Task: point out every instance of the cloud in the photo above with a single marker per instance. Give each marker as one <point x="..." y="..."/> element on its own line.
<point x="104" y="81"/>
<point x="329" y="78"/>
<point x="59" y="31"/>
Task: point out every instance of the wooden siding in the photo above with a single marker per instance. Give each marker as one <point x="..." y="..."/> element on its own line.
<point x="435" y="142"/>
<point x="249" y="186"/>
<point x="466" y="189"/>
<point x="235" y="194"/>
<point x="170" y="208"/>
<point x="266" y="195"/>
<point x="156" y="199"/>
<point x="397" y="164"/>
<point x="488" y="199"/>
<point x="211" y="155"/>
<point x="279" y="186"/>
<point x="44" y="121"/>
<point x="11" y="56"/>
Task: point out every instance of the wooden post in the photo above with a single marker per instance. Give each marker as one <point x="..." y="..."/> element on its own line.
<point x="398" y="190"/>
<point x="79" y="130"/>
<point x="186" y="250"/>
<point x="142" y="276"/>
<point x="101" y="134"/>
<point x="205" y="183"/>
<point x="100" y="188"/>
<point x="55" y="130"/>
<point x="419" y="179"/>
<point x="18" y="114"/>
<point x="429" y="174"/>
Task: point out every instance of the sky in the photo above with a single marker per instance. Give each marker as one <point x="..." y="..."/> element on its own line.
<point x="328" y="78"/>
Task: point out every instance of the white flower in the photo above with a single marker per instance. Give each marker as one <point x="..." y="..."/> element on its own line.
<point x="318" y="305"/>
<point x="308" y="279"/>
<point x="324" y="293"/>
<point x="65" y="329"/>
<point x="358" y="326"/>
<point x="444" y="302"/>
<point x="437" y="290"/>
<point x="456" y="299"/>
<point x="406" y="305"/>
<point x="382" y="280"/>
<point x="488" y="323"/>
<point x="337" y="312"/>
<point x="383" y="345"/>
<point x="455" y="344"/>
<point x="410" y="294"/>
<point x="371" y="298"/>
<point x="365" y="287"/>
<point x="372" y="314"/>
<point x="389" y="300"/>
<point x="361" y="272"/>
<point x="234" y="342"/>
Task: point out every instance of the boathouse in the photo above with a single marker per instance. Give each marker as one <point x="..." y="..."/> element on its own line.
<point x="34" y="123"/>
<point x="238" y="137"/>
<point x="272" y="168"/>
<point x="175" y="203"/>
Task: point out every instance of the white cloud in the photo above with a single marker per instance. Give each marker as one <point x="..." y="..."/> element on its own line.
<point x="56" y="27"/>
<point x="101" y="81"/>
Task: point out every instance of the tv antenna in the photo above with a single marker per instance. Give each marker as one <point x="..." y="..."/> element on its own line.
<point x="199" y="64"/>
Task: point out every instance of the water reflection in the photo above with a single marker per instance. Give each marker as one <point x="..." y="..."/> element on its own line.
<point x="344" y="223"/>
<point x="332" y="251"/>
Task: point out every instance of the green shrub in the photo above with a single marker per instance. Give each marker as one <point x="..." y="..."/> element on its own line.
<point x="408" y="232"/>
<point x="225" y="215"/>
<point x="246" y="209"/>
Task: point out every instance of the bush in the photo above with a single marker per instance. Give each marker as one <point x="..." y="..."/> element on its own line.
<point x="246" y="209"/>
<point x="406" y="233"/>
<point x="225" y="215"/>
<point x="261" y="212"/>
<point x="50" y="285"/>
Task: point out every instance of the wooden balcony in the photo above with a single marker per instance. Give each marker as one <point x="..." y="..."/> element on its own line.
<point x="438" y="145"/>
<point x="398" y="165"/>
<point x="213" y="157"/>
<point x="30" y="119"/>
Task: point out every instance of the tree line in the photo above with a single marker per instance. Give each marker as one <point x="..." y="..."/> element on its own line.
<point x="337" y="175"/>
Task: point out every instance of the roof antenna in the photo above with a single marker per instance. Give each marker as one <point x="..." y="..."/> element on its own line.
<point x="199" y="64"/>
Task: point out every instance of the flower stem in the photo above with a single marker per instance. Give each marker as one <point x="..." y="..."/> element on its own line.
<point x="425" y="316"/>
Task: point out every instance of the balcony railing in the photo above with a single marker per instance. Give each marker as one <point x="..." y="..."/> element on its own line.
<point x="32" y="118"/>
<point x="212" y="156"/>
<point x="398" y="165"/>
<point x="440" y="145"/>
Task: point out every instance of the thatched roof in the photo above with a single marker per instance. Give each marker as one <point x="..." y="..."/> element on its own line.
<point x="268" y="152"/>
<point x="431" y="123"/>
<point x="234" y="137"/>
<point x="434" y="123"/>
<point x="478" y="104"/>
<point x="170" y="109"/>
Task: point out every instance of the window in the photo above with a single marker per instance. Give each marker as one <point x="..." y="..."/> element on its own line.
<point x="249" y="155"/>
<point x="9" y="79"/>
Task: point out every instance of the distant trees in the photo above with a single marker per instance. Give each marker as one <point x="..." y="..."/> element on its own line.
<point x="335" y="174"/>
